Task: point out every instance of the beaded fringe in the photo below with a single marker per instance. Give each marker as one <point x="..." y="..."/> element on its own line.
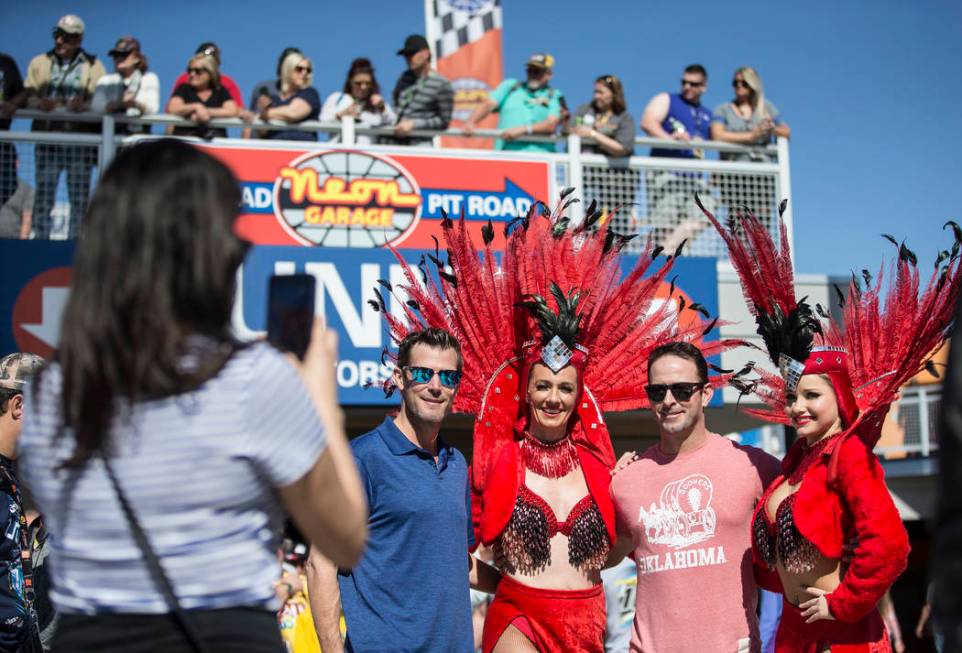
<point x="553" y="460"/>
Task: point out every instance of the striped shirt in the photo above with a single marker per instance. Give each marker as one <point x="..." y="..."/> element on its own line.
<point x="200" y="470"/>
<point x="428" y="101"/>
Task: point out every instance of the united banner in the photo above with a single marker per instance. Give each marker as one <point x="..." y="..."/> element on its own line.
<point x="465" y="36"/>
<point x="35" y="291"/>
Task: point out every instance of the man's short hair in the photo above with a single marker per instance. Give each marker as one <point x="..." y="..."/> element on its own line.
<point x="15" y="372"/>
<point x="684" y="350"/>
<point x="432" y="337"/>
<point x="697" y="68"/>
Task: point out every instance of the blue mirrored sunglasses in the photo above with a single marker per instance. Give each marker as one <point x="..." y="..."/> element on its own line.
<point x="448" y="378"/>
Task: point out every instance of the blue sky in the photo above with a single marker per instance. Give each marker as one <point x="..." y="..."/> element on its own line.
<point x="869" y="89"/>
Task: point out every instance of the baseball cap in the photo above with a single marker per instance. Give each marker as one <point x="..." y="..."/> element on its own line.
<point x="17" y="368"/>
<point x="541" y="60"/>
<point x="125" y="45"/>
<point x="70" y="24"/>
<point x="412" y="44"/>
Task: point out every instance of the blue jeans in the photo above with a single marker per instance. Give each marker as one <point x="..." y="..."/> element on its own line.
<point x="78" y="161"/>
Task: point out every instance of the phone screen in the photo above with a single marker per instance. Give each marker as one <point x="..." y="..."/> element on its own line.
<point x="290" y="312"/>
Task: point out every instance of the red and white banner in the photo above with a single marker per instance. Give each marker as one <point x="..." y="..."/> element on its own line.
<point x="465" y="38"/>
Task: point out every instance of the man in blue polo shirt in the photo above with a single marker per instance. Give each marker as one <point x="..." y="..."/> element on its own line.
<point x="409" y="592"/>
<point x="524" y="108"/>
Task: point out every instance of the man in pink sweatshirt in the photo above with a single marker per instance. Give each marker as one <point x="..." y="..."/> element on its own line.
<point x="684" y="509"/>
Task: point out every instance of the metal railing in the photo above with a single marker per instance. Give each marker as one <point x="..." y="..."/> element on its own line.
<point x="917" y="414"/>
<point x="653" y="195"/>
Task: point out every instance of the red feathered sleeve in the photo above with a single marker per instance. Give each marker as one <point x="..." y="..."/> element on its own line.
<point x="883" y="544"/>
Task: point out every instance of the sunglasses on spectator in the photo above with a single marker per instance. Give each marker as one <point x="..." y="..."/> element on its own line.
<point x="303" y="69"/>
<point x="448" y="378"/>
<point x="121" y="55"/>
<point x="680" y="391"/>
<point x="688" y="82"/>
<point x="362" y="82"/>
<point x="740" y="82"/>
<point x="196" y="71"/>
<point x="66" y="36"/>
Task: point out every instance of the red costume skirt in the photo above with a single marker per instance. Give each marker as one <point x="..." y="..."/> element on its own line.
<point x="558" y="621"/>
<point x="796" y="636"/>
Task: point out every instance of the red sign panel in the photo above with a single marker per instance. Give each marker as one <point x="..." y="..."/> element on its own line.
<point x="341" y="197"/>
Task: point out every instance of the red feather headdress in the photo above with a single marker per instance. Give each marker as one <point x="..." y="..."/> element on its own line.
<point x="886" y="336"/>
<point x="481" y="301"/>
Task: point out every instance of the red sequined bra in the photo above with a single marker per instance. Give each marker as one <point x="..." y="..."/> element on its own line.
<point x="782" y="540"/>
<point x="527" y="538"/>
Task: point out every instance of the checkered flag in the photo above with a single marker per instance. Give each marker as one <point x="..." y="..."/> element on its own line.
<point x="459" y="22"/>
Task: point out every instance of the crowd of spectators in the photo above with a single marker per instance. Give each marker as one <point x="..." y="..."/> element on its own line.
<point x="71" y="79"/>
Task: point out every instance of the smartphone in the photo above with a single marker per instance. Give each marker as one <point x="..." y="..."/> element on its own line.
<point x="290" y="312"/>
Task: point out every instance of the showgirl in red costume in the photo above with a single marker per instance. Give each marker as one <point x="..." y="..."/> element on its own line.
<point x="836" y="384"/>
<point x="551" y="337"/>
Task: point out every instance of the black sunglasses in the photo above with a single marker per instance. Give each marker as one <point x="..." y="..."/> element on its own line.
<point x="740" y="82"/>
<point x="196" y="71"/>
<point x="680" y="391"/>
<point x="303" y="69"/>
<point x="66" y="36"/>
<point x="448" y="378"/>
<point x="688" y="82"/>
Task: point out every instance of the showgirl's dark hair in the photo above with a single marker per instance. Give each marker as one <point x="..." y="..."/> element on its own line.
<point x="564" y="323"/>
<point x="155" y="267"/>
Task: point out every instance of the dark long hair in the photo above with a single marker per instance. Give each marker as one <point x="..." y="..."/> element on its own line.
<point x="361" y="65"/>
<point x="155" y="268"/>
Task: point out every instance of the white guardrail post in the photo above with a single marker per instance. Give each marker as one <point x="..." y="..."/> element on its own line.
<point x="108" y="147"/>
<point x="785" y="192"/>
<point x="924" y="434"/>
<point x="576" y="177"/>
<point x="347" y="130"/>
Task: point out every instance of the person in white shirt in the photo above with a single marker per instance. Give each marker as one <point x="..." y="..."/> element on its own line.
<point x="131" y="89"/>
<point x="361" y="97"/>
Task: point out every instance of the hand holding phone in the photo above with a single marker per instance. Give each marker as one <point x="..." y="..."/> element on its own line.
<point x="290" y="312"/>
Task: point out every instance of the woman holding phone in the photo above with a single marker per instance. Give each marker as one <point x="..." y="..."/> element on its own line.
<point x="150" y="443"/>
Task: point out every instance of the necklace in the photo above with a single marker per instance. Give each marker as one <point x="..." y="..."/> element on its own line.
<point x="551" y="460"/>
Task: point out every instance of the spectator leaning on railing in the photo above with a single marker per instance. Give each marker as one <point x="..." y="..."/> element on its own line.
<point x="524" y="108"/>
<point x="679" y="116"/>
<point x="423" y="97"/>
<point x="606" y="120"/>
<point x="210" y="48"/>
<point x="11" y="88"/>
<point x="203" y="97"/>
<point x="63" y="78"/>
<point x="262" y="92"/>
<point x="131" y="89"/>
<point x="361" y="98"/>
<point x="296" y="101"/>
<point x="749" y="119"/>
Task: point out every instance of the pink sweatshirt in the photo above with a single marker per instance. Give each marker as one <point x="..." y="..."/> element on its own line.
<point x="689" y="517"/>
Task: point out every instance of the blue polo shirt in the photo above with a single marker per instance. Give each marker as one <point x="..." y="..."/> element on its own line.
<point x="409" y="592"/>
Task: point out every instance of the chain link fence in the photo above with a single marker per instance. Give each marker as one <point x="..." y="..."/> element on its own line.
<point x="641" y="195"/>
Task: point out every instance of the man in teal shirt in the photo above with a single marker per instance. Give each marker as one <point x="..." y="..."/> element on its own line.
<point x="524" y="108"/>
